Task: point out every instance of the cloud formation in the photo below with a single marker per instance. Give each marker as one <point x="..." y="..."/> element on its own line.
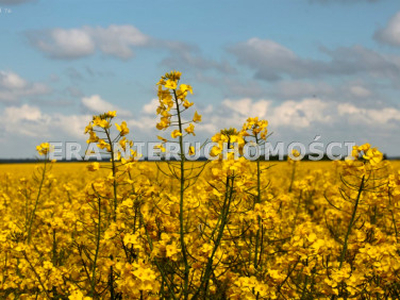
<point x="296" y="114"/>
<point x="115" y="40"/>
<point x="184" y="57"/>
<point x="13" y="87"/>
<point x="288" y="120"/>
<point x="272" y="61"/>
<point x="119" y="41"/>
<point x="390" y="34"/>
<point x="29" y="121"/>
<point x="25" y="120"/>
<point x="96" y="105"/>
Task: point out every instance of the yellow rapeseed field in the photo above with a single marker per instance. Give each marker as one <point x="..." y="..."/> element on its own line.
<point x="227" y="228"/>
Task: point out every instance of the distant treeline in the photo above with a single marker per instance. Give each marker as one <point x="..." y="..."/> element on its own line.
<point x="271" y="158"/>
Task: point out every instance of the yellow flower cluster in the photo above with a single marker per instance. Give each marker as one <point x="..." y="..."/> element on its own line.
<point x="43" y="149"/>
<point x="173" y="102"/>
<point x="371" y="155"/>
<point x="256" y="127"/>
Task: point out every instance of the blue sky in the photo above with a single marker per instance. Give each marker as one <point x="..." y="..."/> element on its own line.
<point x="310" y="67"/>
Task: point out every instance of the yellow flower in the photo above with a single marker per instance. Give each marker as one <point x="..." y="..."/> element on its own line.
<point x="196" y="117"/>
<point x="374" y="156"/>
<point x="161" y="147"/>
<point x="190" y="129"/>
<point x="295" y="153"/>
<point x="172" y="249"/>
<point x="173" y="75"/>
<point x="161" y="82"/>
<point x="171" y="84"/>
<point x="184" y="88"/>
<point x="124" y="142"/>
<point x="123" y="129"/>
<point x="187" y="104"/>
<point x="175" y="133"/>
<point x="355" y="152"/>
<point x="161" y="138"/>
<point x="103" y="144"/>
<point x="163" y="124"/>
<point x="206" y="248"/>
<point x="88" y="128"/>
<point x="93" y="137"/>
<point x="215" y="151"/>
<point x="111" y="114"/>
<point x="191" y="151"/>
<point x="93" y="167"/>
<point x="130" y="239"/>
<point x="364" y="147"/>
<point x="103" y="123"/>
<point x="43" y="148"/>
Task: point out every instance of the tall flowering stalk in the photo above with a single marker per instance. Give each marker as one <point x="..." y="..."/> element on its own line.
<point x="358" y="177"/>
<point x="226" y="171"/>
<point x="364" y="163"/>
<point x="255" y="132"/>
<point x="43" y="149"/>
<point x="172" y="104"/>
<point x="100" y="133"/>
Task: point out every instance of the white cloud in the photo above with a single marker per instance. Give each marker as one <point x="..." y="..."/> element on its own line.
<point x="360" y="91"/>
<point x="288" y="114"/>
<point x="96" y="105"/>
<point x="272" y="61"/>
<point x="309" y="113"/>
<point x="297" y="88"/>
<point x="386" y="116"/>
<point x="120" y="41"/>
<point x="300" y="114"/>
<point x="391" y="33"/>
<point x="187" y="57"/>
<point x="13" y="87"/>
<point x="290" y="120"/>
<point x="10" y="80"/>
<point x="150" y="108"/>
<point x="115" y="40"/>
<point x="68" y="43"/>
<point x="71" y="125"/>
<point x="25" y="120"/>
<point x="245" y="107"/>
<point x="30" y="121"/>
<point x="146" y="124"/>
<point x="269" y="58"/>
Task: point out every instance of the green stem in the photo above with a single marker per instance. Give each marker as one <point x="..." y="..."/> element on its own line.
<point x="32" y="217"/>
<point x="114" y="171"/>
<point x="220" y="235"/>
<point x="353" y="216"/>
<point x="159" y="267"/>
<point x="224" y="217"/>
<point x="93" y="283"/>
<point x="292" y="179"/>
<point x="37" y="275"/>
<point x="181" y="208"/>
<point x="257" y="200"/>
<point x="392" y="213"/>
<point x="258" y="178"/>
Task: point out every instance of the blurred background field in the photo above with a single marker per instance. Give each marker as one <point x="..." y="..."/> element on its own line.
<point x="75" y="170"/>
